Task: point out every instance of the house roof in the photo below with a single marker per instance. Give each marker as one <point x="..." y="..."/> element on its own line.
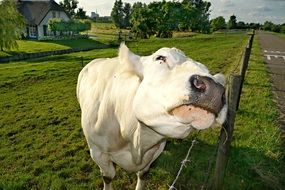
<point x="34" y="11"/>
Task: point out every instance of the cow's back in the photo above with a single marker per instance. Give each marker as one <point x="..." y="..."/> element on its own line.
<point x="103" y="104"/>
<point x="93" y="78"/>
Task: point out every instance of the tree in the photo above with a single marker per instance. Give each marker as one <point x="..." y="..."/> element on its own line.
<point x="254" y="26"/>
<point x="241" y="25"/>
<point x="282" y="28"/>
<point x="127" y="15"/>
<point x="232" y="24"/>
<point x="276" y="28"/>
<point x="199" y="20"/>
<point x="12" y="25"/>
<point x="80" y="14"/>
<point x="139" y="21"/>
<point x="268" y="26"/>
<point x="117" y="14"/>
<point x="218" y="23"/>
<point x="69" y="6"/>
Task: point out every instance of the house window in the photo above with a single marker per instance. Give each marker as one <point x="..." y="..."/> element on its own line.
<point x="53" y="14"/>
<point x="33" y="31"/>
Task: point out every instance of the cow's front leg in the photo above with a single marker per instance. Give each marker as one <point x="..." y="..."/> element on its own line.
<point x="106" y="166"/>
<point x="141" y="180"/>
<point x="107" y="183"/>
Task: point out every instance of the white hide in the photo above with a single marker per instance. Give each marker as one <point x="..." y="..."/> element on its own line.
<point x="126" y="103"/>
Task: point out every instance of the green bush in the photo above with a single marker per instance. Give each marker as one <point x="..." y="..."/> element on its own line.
<point x="68" y="27"/>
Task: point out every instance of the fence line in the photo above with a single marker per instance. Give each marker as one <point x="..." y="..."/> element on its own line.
<point x="226" y="133"/>
<point x="234" y="89"/>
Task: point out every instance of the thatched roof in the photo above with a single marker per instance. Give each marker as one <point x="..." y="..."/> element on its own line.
<point x="34" y="11"/>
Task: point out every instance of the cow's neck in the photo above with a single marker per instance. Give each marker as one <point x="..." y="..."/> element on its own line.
<point x="144" y="139"/>
<point x="140" y="137"/>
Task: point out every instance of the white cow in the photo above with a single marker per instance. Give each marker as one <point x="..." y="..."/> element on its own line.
<point x="131" y="105"/>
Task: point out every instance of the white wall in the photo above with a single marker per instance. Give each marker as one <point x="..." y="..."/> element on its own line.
<point x="58" y="14"/>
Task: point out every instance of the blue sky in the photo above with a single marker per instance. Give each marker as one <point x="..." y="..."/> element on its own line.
<point x="245" y="10"/>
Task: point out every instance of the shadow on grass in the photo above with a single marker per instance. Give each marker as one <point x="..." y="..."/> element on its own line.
<point x="13" y="52"/>
<point x="251" y="168"/>
<point x="247" y="169"/>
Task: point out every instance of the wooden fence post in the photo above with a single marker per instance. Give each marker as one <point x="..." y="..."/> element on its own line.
<point x="244" y="64"/>
<point x="227" y="131"/>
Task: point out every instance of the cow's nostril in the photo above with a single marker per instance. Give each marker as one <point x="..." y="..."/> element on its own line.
<point x="197" y="83"/>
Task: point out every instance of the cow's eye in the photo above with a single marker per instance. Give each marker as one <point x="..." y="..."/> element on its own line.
<point x="160" y="57"/>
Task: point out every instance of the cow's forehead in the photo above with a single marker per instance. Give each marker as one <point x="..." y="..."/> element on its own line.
<point x="171" y="52"/>
<point x="173" y="56"/>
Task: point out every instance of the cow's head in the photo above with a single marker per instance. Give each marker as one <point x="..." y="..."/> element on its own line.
<point x="175" y="93"/>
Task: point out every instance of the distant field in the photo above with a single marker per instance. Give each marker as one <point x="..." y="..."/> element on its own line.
<point x="32" y="46"/>
<point x="281" y="35"/>
<point x="106" y="32"/>
<point x="42" y="145"/>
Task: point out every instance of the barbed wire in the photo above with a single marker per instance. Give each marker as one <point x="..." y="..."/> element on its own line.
<point x="184" y="161"/>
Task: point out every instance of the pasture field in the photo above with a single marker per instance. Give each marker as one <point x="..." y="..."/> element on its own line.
<point x="32" y="46"/>
<point x="42" y="145"/>
<point x="106" y="32"/>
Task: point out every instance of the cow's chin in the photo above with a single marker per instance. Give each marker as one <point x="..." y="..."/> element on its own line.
<point x="195" y="116"/>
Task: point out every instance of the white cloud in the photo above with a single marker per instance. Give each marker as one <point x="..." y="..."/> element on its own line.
<point x="263" y="8"/>
<point x="227" y="3"/>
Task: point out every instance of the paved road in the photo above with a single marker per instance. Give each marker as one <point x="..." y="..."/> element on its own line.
<point x="273" y="48"/>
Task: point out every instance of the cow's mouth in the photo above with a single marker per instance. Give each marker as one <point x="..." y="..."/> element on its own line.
<point x="197" y="116"/>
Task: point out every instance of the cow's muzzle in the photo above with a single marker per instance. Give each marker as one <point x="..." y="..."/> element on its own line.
<point x="206" y="94"/>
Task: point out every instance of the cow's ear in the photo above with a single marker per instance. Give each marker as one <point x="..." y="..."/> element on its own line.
<point x="131" y="60"/>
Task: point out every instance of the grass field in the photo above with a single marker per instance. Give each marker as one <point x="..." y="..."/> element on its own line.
<point x="104" y="34"/>
<point x="42" y="145"/>
<point x="32" y="46"/>
<point x="279" y="34"/>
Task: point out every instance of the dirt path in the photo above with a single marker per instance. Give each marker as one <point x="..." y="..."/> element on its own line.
<point x="273" y="48"/>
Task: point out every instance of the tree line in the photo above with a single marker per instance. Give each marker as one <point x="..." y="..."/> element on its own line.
<point x="162" y="18"/>
<point x="270" y="26"/>
<point x="220" y="23"/>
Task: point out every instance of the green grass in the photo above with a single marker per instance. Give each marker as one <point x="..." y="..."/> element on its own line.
<point x="279" y="34"/>
<point x="32" y="46"/>
<point x="106" y="32"/>
<point x="257" y="149"/>
<point x="42" y="145"/>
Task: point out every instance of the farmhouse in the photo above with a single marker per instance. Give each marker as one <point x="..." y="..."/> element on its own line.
<point x="37" y="14"/>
